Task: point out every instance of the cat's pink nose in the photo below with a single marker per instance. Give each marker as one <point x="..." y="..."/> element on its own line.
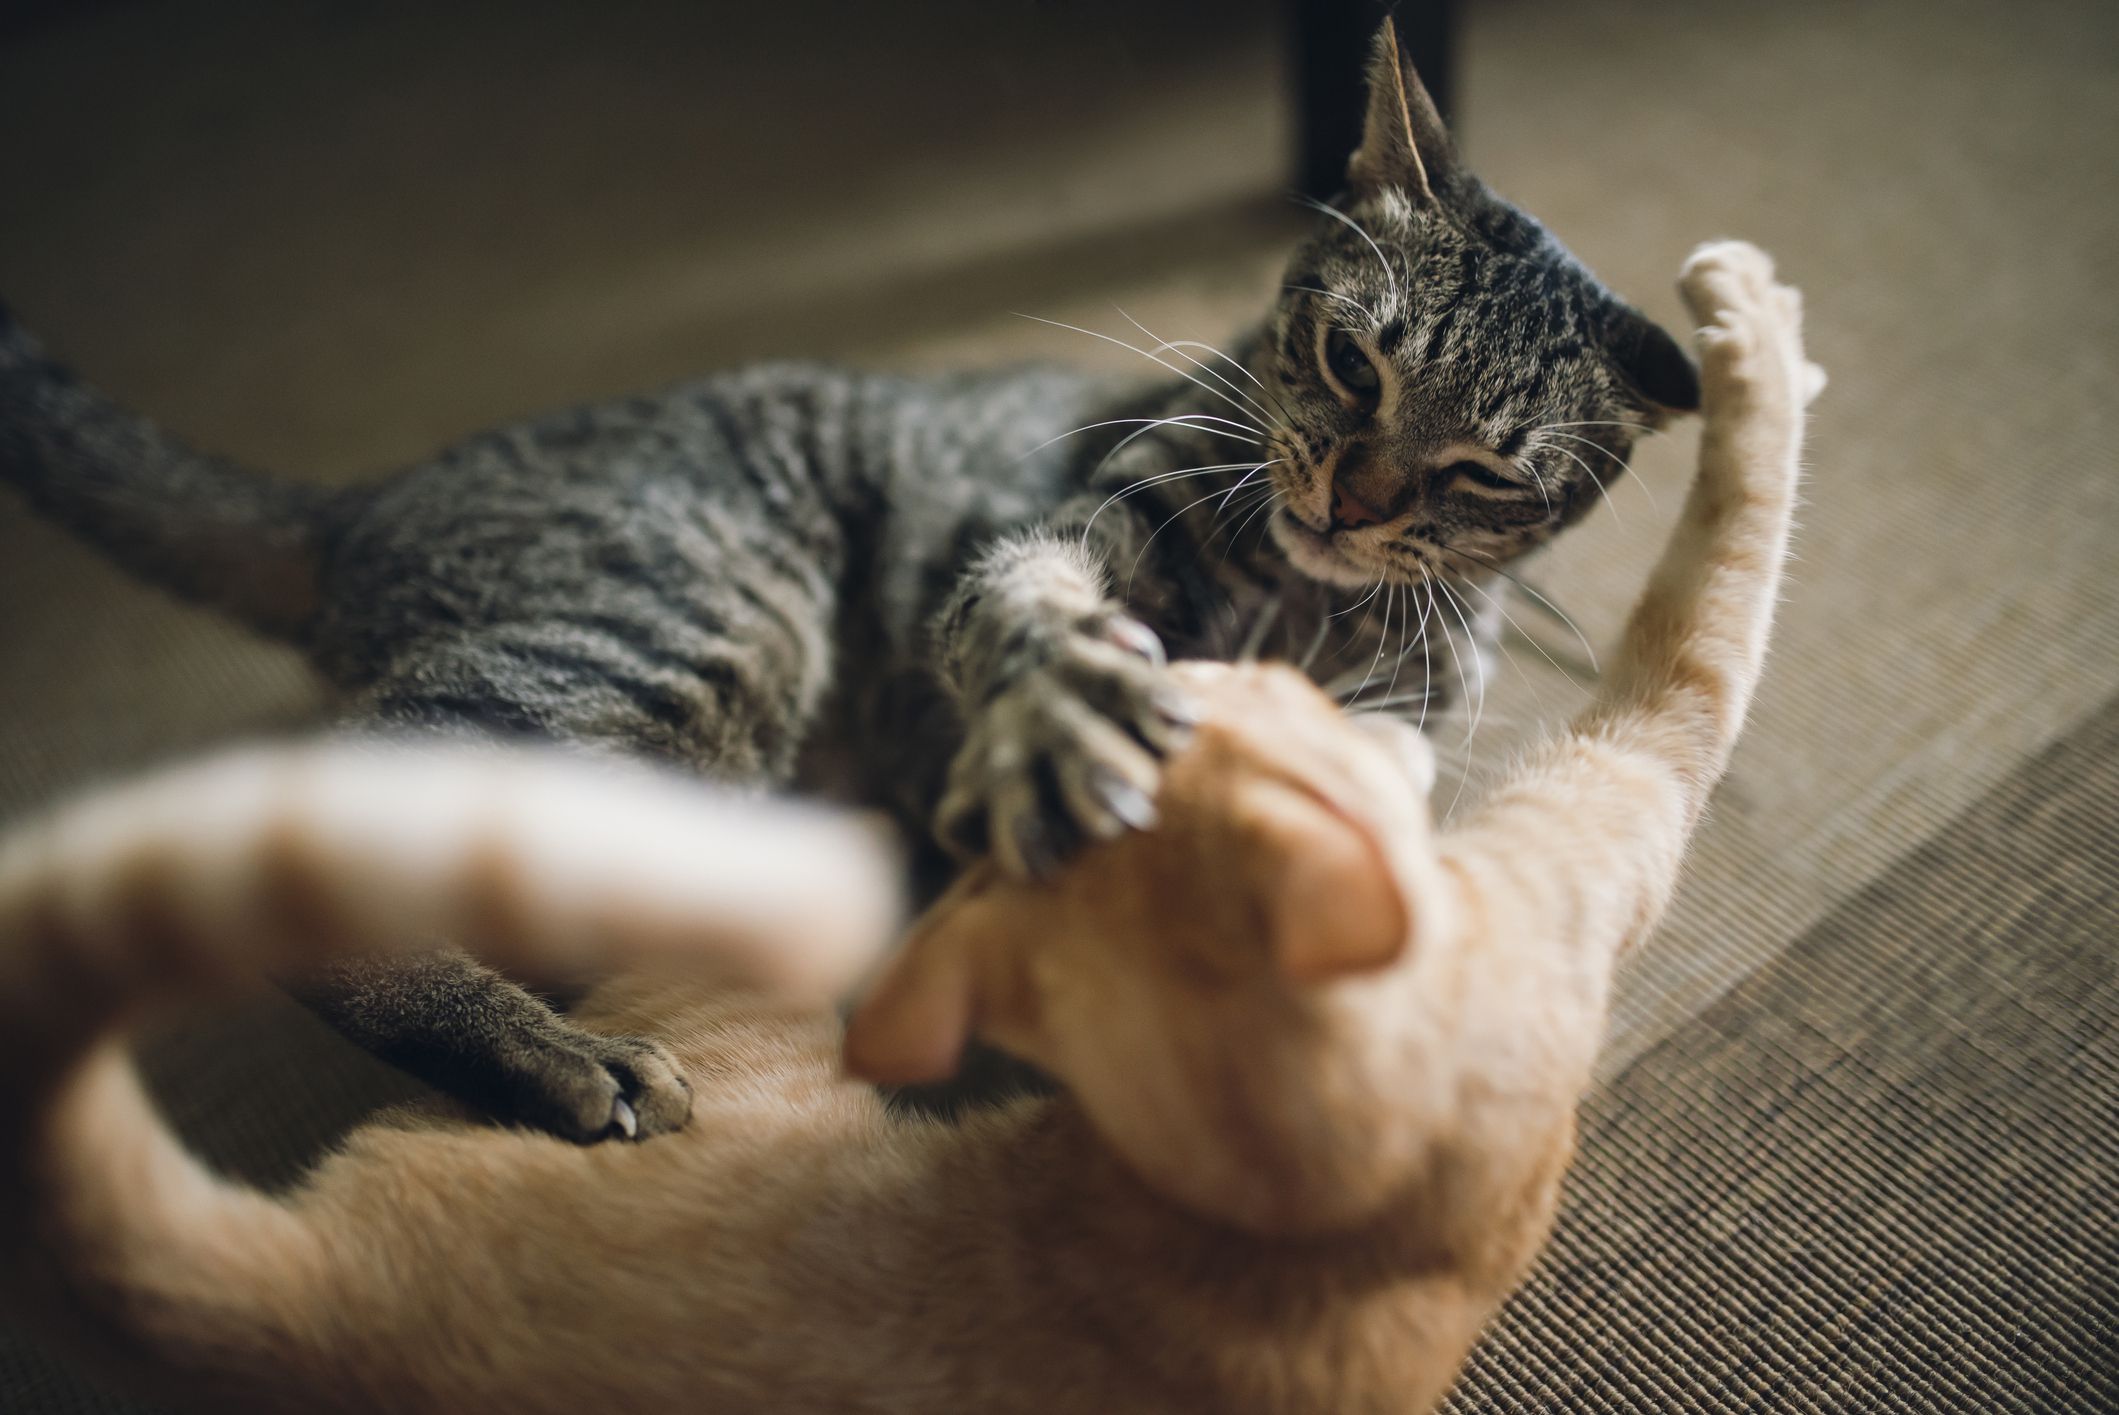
<point x="1349" y="511"/>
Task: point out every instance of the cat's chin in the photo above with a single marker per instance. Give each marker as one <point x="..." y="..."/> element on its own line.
<point x="1315" y="555"/>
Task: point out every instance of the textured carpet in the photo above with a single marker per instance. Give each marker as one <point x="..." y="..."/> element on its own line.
<point x="1882" y="1174"/>
<point x="326" y="240"/>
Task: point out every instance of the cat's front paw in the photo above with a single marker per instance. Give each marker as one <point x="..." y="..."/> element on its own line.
<point x="1750" y="336"/>
<point x="1068" y="750"/>
<point x="587" y="1087"/>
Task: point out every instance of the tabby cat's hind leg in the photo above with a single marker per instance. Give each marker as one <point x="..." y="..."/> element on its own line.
<point x="459" y="1026"/>
<point x="715" y="668"/>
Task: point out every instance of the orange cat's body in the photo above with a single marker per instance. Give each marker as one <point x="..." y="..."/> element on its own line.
<point x="1320" y="1066"/>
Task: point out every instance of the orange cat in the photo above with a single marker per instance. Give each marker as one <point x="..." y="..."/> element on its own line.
<point x="1320" y="1063"/>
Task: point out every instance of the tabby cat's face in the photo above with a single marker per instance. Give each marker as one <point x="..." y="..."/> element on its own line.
<point x="1452" y="387"/>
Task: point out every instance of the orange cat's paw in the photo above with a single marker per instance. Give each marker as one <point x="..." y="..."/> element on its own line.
<point x="1750" y="328"/>
<point x="1723" y="276"/>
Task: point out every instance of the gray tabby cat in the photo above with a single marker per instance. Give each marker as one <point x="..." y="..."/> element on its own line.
<point x="952" y="597"/>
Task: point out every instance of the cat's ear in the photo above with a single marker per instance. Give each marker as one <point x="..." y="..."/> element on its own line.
<point x="1403" y="142"/>
<point x="1336" y="907"/>
<point x="1654" y="365"/>
<point x="915" y="1020"/>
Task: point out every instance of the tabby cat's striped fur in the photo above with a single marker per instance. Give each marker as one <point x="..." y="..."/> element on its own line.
<point x="936" y="594"/>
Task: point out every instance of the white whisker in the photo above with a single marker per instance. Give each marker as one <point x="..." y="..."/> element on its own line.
<point x="1478" y="703"/>
<point x="1537" y="698"/>
<point x="1358" y="603"/>
<point x="1158" y="479"/>
<point x="1410" y="638"/>
<point x="1553" y="609"/>
<point x="1249" y="503"/>
<point x="1539" y="483"/>
<point x="1596" y="422"/>
<point x="1231" y="360"/>
<point x="1427" y="662"/>
<point x="1419" y="638"/>
<point x="1624" y="466"/>
<point x="1265" y="503"/>
<point x="1174" y="517"/>
<point x="1244" y="480"/>
<point x="1184" y="345"/>
<point x="1398" y="659"/>
<point x="1160" y="363"/>
<point x="1281" y="421"/>
<point x="1179" y="347"/>
<point x="1390" y="277"/>
<point x="1246" y="508"/>
<point x="1181" y="420"/>
<point x="1473" y="702"/>
<point x="1124" y="442"/>
<point x="1510" y="619"/>
<point x="1602" y="489"/>
<point x="1335" y="295"/>
<point x="1383" y="639"/>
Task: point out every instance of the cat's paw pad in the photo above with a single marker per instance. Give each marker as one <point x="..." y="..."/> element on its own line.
<point x="587" y="1088"/>
<point x="1068" y="752"/>
<point x="1750" y="327"/>
<point x="1726" y="277"/>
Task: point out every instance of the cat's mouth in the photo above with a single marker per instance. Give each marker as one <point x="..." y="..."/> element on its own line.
<point x="1317" y="554"/>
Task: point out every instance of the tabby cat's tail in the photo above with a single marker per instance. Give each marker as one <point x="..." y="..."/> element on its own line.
<point x="196" y="879"/>
<point x="195" y="525"/>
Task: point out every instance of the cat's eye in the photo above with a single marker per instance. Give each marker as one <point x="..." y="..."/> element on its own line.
<point x="1480" y="473"/>
<point x="1349" y="365"/>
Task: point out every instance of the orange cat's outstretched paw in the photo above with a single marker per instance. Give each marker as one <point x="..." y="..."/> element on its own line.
<point x="1750" y="334"/>
<point x="1725" y="275"/>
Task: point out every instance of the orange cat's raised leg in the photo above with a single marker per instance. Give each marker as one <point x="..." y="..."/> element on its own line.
<point x="1696" y="641"/>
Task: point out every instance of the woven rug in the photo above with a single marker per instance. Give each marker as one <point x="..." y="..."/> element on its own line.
<point x="1882" y="1174"/>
